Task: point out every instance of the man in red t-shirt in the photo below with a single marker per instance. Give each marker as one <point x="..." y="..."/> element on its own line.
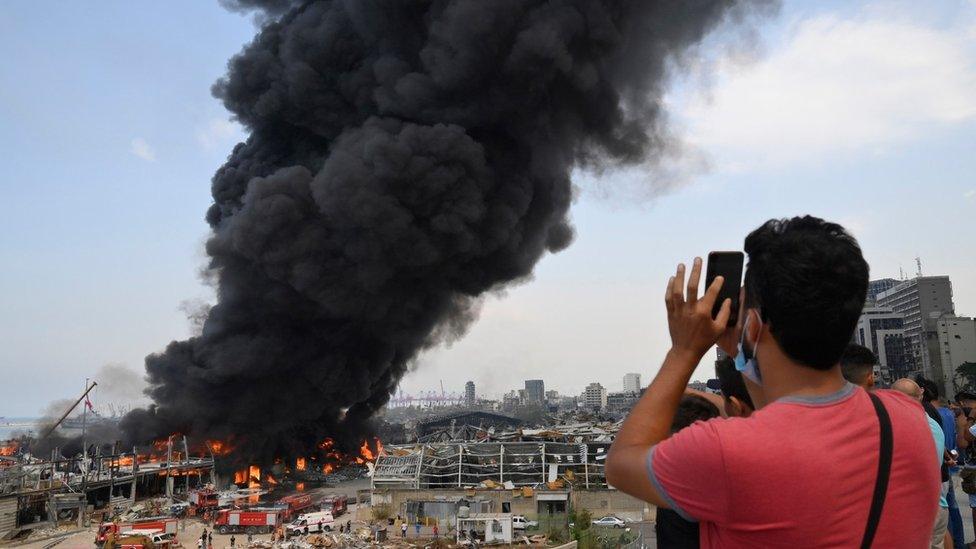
<point x="801" y="470"/>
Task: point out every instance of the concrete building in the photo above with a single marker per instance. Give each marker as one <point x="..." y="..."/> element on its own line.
<point x="535" y="391"/>
<point x="957" y="343"/>
<point x="883" y="331"/>
<point x="621" y="403"/>
<point x="469" y="395"/>
<point x="922" y="301"/>
<point x="440" y="483"/>
<point x="594" y="397"/>
<point x="632" y="383"/>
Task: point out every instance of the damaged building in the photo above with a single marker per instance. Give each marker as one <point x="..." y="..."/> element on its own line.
<point x="541" y="480"/>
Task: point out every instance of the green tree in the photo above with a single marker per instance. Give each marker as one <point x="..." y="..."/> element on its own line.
<point x="967" y="370"/>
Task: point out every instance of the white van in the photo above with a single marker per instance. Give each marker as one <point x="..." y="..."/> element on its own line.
<point x="319" y="521"/>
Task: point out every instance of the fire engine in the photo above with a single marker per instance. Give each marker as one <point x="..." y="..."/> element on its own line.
<point x="204" y="499"/>
<point x="337" y="504"/>
<point x="295" y="505"/>
<point x="252" y="521"/>
<point x="164" y="525"/>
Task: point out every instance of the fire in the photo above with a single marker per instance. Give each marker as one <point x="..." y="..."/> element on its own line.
<point x="270" y="479"/>
<point x="326" y="444"/>
<point x="300" y="486"/>
<point x="10" y="448"/>
<point x="300" y="464"/>
<point x="328" y="468"/>
<point x="253" y="476"/>
<point x="219" y="447"/>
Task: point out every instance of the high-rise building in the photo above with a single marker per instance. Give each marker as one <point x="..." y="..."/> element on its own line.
<point x="875" y="287"/>
<point x="469" y="396"/>
<point x="632" y="383"/>
<point x="922" y="301"/>
<point x="535" y="391"/>
<point x="594" y="397"/>
<point x="883" y="331"/>
<point x="957" y="342"/>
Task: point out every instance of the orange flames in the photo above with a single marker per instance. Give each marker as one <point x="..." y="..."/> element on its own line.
<point x="9" y="448"/>
<point x="253" y="476"/>
<point x="328" y="468"/>
<point x="219" y="447"/>
<point x="300" y="486"/>
<point x="300" y="464"/>
<point x="240" y="477"/>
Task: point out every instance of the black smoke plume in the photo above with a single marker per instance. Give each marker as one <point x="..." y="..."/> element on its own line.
<point x="404" y="158"/>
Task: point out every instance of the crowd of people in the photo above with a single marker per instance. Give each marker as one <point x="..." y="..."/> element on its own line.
<point x="802" y="448"/>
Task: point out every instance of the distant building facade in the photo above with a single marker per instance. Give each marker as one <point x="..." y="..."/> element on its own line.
<point x="535" y="391"/>
<point x="632" y="383"/>
<point x="957" y="342"/>
<point x="621" y="403"/>
<point x="875" y="287"/>
<point x="922" y="301"/>
<point x="469" y="394"/>
<point x="882" y="330"/>
<point x="594" y="397"/>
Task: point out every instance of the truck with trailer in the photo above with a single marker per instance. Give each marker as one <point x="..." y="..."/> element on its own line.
<point x="256" y="520"/>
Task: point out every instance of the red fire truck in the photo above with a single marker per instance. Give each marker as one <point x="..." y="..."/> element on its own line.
<point x="295" y="505"/>
<point x="338" y="504"/>
<point x="252" y="521"/>
<point x="163" y="525"/>
<point x="202" y="500"/>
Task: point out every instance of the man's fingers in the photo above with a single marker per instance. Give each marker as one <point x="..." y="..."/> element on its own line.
<point x="693" y="280"/>
<point x="722" y="320"/>
<point x="667" y="295"/>
<point x="678" y="287"/>
<point x="711" y="294"/>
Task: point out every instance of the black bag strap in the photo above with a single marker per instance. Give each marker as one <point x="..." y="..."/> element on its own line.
<point x="884" y="471"/>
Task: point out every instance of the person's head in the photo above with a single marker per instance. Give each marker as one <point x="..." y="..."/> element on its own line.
<point x="930" y="391"/>
<point x="857" y="364"/>
<point x="909" y="387"/>
<point x="805" y="286"/>
<point x="967" y="399"/>
<point x="738" y="403"/>
<point x="692" y="408"/>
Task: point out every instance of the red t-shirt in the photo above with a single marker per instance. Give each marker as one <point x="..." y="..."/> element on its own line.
<point x="800" y="473"/>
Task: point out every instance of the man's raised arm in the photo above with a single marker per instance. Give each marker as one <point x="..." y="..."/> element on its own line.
<point x="693" y="332"/>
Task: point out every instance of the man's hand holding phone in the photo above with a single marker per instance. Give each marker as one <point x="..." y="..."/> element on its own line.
<point x="693" y="329"/>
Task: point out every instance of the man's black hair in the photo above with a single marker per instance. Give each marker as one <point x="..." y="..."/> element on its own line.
<point x="731" y="381"/>
<point x="930" y="391"/>
<point x="691" y="409"/>
<point x="857" y="363"/>
<point x="964" y="395"/>
<point x="808" y="279"/>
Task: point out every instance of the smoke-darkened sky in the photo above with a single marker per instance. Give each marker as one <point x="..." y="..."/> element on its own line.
<point x="112" y="138"/>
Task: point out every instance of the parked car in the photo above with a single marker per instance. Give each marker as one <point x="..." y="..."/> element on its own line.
<point x="610" y="520"/>
<point x="519" y="522"/>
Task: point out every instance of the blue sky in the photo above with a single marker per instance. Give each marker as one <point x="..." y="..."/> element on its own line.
<point x="861" y="113"/>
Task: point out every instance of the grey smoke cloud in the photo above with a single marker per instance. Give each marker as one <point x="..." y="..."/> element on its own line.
<point x="403" y="159"/>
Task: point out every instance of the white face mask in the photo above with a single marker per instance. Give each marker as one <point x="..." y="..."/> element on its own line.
<point x="748" y="365"/>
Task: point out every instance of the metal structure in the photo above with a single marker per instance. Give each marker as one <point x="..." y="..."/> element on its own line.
<point x="493" y="464"/>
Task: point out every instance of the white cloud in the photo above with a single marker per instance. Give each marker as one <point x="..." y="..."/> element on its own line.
<point x="141" y="148"/>
<point x="836" y="86"/>
<point x="219" y="131"/>
<point x="969" y="194"/>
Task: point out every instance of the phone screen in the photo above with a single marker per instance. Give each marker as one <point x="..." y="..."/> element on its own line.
<point x="729" y="265"/>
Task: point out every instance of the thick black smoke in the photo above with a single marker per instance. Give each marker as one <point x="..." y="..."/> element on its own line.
<point x="404" y="158"/>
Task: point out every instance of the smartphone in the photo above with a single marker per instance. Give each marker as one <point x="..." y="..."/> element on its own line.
<point x="729" y="265"/>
